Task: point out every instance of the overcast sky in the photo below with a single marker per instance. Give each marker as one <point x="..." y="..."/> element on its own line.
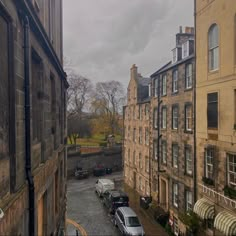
<point x="103" y="38"/>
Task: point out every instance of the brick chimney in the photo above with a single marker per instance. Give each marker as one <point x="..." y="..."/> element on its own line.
<point x="133" y="72"/>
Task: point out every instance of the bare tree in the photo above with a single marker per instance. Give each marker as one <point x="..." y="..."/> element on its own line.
<point x="108" y="101"/>
<point x="79" y="94"/>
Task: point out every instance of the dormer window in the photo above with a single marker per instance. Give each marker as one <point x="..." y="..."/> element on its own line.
<point x="175" y="55"/>
<point x="185" y="49"/>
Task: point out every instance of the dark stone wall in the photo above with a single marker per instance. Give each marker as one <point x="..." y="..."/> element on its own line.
<point x="90" y="161"/>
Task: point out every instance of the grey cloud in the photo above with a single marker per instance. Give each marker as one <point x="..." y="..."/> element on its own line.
<point x="104" y="38"/>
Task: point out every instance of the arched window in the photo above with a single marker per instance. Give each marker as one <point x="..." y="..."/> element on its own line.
<point x="213" y="44"/>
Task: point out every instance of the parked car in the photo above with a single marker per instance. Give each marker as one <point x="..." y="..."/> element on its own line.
<point x="127" y="222"/>
<point x="113" y="199"/>
<point x="80" y="173"/>
<point x="101" y="170"/>
<point x="102" y="185"/>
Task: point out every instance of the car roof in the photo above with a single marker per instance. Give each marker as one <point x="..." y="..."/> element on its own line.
<point x="106" y="181"/>
<point x="127" y="211"/>
<point x="117" y="193"/>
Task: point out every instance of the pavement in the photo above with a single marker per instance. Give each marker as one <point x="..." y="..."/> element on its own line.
<point x="86" y="215"/>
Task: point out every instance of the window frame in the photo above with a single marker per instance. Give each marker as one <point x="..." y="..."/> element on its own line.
<point x="164" y="124"/>
<point x="175" y="79"/>
<point x="175" y="156"/>
<point x="231" y="184"/>
<point x="188" y="76"/>
<point x="155" y="118"/>
<point x="187" y="202"/>
<point x="185" y="48"/>
<point x="213" y="50"/>
<point x="187" y="161"/>
<point x="175" y="189"/>
<point x="212" y="116"/>
<point x="175" y="119"/>
<point x="188" y="119"/>
<point x="164" y="154"/>
<point x="164" y="85"/>
<point x="211" y="165"/>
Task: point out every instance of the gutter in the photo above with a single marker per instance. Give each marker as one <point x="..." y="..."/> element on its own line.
<point x="194" y="98"/>
<point x="28" y="170"/>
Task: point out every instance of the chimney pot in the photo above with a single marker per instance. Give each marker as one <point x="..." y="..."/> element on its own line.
<point x="180" y="29"/>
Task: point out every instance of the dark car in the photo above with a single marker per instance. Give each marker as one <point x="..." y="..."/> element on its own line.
<point x="113" y="199"/>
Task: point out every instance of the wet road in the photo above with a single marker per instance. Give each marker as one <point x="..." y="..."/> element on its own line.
<point x="85" y="208"/>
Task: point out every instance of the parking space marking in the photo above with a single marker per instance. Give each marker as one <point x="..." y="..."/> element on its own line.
<point x="78" y="226"/>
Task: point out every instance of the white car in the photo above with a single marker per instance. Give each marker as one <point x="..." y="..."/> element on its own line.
<point x="102" y="185"/>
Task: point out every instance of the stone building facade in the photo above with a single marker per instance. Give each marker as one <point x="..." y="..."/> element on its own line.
<point x="136" y="154"/>
<point x="173" y="131"/>
<point x="216" y="115"/>
<point x="33" y="118"/>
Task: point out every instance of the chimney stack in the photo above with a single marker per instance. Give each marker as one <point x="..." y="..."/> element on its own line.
<point x="133" y="72"/>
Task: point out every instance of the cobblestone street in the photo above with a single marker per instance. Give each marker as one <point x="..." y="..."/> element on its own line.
<point x="85" y="208"/>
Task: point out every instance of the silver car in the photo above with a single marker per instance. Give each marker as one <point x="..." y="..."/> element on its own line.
<point x="127" y="222"/>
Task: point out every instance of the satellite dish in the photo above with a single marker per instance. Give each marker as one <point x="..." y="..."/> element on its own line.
<point x="1" y="213"/>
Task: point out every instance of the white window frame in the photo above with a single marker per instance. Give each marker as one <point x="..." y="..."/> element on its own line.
<point x="213" y="49"/>
<point x="175" y="111"/>
<point x="209" y="160"/>
<point x="155" y="149"/>
<point x="175" y="155"/>
<point x="164" y="152"/>
<point x="188" y="117"/>
<point x="189" y="76"/>
<point x="175" y="55"/>
<point x="155" y="118"/>
<point x="175" y="194"/>
<point x="188" y="161"/>
<point x="185" y="49"/>
<point x="156" y="87"/>
<point x="149" y="90"/>
<point x="231" y="167"/>
<point x="164" y="118"/>
<point x="175" y="81"/>
<point x="163" y="85"/>
<point x="189" y="200"/>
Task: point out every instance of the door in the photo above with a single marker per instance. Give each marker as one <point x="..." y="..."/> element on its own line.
<point x="163" y="195"/>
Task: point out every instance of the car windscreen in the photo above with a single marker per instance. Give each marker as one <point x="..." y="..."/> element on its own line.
<point x="132" y="221"/>
<point x="120" y="199"/>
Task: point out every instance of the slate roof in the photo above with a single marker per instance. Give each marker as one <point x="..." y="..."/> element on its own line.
<point x="143" y="89"/>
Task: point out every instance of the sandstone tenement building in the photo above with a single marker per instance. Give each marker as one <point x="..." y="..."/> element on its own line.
<point x="173" y="146"/>
<point x="216" y="115"/>
<point x="33" y="118"/>
<point x="136" y="134"/>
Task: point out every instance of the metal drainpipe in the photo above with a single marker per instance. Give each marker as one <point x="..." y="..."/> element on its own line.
<point x="158" y="139"/>
<point x="194" y="99"/>
<point x="27" y="129"/>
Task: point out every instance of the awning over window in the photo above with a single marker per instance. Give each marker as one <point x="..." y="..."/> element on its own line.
<point x="204" y="209"/>
<point x="226" y="223"/>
